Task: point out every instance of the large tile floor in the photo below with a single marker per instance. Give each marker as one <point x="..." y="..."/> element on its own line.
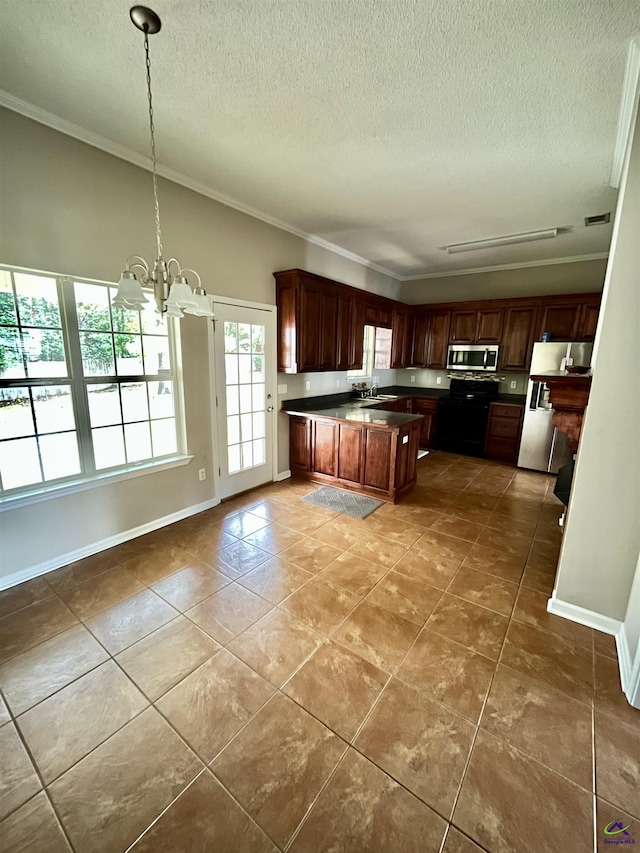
<point x="270" y="676"/>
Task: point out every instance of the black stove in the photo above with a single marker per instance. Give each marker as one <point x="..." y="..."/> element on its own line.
<point x="463" y="416"/>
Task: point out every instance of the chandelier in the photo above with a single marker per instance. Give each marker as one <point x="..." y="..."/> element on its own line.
<point x="171" y="289"/>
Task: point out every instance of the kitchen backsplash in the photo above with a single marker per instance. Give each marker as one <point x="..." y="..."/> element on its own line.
<point x="331" y="382"/>
<point x="336" y="382"/>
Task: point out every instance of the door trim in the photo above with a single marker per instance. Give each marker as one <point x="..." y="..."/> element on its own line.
<point x="272" y="313"/>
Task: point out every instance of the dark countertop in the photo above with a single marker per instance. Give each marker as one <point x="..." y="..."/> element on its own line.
<point x="354" y="411"/>
<point x="344" y="407"/>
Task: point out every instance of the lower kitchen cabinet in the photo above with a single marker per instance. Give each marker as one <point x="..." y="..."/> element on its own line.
<point x="503" y="432"/>
<point x="375" y="460"/>
<point x="428" y="408"/>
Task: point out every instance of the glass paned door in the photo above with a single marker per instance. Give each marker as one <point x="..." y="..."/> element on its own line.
<point x="245" y="364"/>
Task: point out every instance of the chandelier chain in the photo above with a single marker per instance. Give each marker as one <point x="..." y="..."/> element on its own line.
<point x="153" y="145"/>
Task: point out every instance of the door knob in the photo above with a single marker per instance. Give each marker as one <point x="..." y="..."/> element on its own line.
<point x="269" y="408"/>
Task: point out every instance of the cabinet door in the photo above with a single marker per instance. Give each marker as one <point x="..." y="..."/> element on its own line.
<point x="325" y="447"/>
<point x="517" y="339"/>
<point x="589" y="321"/>
<point x="350" y="453"/>
<point x="385" y="314"/>
<point x="463" y="327"/>
<point x="489" y="329"/>
<point x="309" y="328"/>
<point x="329" y="329"/>
<point x="439" y="339"/>
<point x="377" y="459"/>
<point x="561" y="321"/>
<point x="400" y="335"/>
<point x="429" y="410"/>
<point x="419" y="349"/>
<point x="357" y="335"/>
<point x="286" y="299"/>
<point x="345" y="332"/>
<point x="299" y="445"/>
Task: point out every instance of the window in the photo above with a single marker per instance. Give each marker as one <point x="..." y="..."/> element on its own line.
<point x="376" y="354"/>
<point x="85" y="388"/>
<point x="367" y="356"/>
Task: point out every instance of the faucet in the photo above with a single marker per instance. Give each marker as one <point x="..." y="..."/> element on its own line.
<point x="373" y="391"/>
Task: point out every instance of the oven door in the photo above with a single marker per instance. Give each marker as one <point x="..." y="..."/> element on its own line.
<point x="473" y="358"/>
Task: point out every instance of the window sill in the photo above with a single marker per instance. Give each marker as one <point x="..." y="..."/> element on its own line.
<point x="58" y="491"/>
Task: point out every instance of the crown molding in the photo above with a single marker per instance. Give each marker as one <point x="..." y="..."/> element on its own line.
<point x="24" y="108"/>
<point x="628" y="104"/>
<point x="53" y="121"/>
<point x="544" y="263"/>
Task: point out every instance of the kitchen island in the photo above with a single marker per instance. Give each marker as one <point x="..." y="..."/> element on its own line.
<point x="353" y="446"/>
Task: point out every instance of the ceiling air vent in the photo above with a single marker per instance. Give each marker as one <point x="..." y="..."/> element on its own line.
<point x="600" y="219"/>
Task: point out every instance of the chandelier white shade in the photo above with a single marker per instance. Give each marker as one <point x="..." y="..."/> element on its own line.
<point x="171" y="290"/>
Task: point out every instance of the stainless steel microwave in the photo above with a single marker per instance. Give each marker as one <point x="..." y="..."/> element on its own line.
<point x="473" y="357"/>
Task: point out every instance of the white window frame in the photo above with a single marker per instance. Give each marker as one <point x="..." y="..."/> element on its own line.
<point x="368" y="355"/>
<point x="94" y="478"/>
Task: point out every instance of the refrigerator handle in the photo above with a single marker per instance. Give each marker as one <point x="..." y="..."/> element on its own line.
<point x="553" y="447"/>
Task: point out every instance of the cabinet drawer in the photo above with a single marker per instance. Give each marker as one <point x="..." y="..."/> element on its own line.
<point x="505" y="410"/>
<point x="503" y="427"/>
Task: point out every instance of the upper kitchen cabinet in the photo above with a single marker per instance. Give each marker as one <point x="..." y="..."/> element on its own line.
<point x="307" y="322"/>
<point x="401" y="330"/>
<point x="463" y="327"/>
<point x="517" y="339"/>
<point x="351" y="315"/>
<point x="420" y="338"/>
<point x="476" y="326"/>
<point x="489" y="327"/>
<point x="439" y="324"/>
<point x="561" y="322"/>
<point x="379" y="311"/>
<point x="589" y="320"/>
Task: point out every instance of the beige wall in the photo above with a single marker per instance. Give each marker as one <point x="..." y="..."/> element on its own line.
<point x="578" y="277"/>
<point x="602" y="537"/>
<point x="70" y="208"/>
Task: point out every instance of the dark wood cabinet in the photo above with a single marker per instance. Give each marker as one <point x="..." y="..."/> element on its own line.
<point x="503" y="432"/>
<point x="561" y="322"/>
<point x="480" y="326"/>
<point x="321" y="326"/>
<point x="517" y="339"/>
<point x="325" y="447"/>
<point x="350" y="453"/>
<point x="463" y="327"/>
<point x="309" y="333"/>
<point x="377" y="466"/>
<point x="380" y="461"/>
<point x="440" y="322"/>
<point x="428" y="408"/>
<point x="489" y="326"/>
<point x="328" y="331"/>
<point x="401" y="336"/>
<point x="300" y="445"/>
<point x="589" y="321"/>
<point x="420" y="342"/>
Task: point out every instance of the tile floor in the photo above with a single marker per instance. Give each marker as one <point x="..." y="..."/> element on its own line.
<point x="270" y="676"/>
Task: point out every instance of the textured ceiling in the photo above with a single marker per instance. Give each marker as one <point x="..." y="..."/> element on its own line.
<point x="388" y="127"/>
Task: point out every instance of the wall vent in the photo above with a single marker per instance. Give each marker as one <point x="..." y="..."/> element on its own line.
<point x="600" y="219"/>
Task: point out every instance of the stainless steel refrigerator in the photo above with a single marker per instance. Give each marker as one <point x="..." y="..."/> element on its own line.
<point x="543" y="447"/>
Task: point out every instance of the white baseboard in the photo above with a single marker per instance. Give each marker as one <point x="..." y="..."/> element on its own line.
<point x="583" y="616"/>
<point x="629" y="669"/>
<point x="629" y="674"/>
<point x="95" y="547"/>
<point x="283" y="475"/>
